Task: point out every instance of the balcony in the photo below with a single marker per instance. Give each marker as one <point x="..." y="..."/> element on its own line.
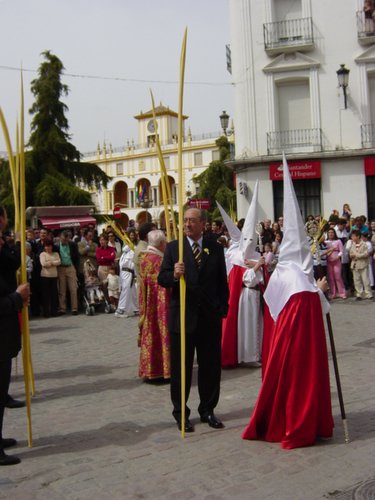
<point x="368" y="136"/>
<point x="294" y="141"/>
<point x="365" y="29"/>
<point x="288" y="36"/>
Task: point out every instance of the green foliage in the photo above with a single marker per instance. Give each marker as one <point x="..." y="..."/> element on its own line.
<point x="216" y="182"/>
<point x="54" y="172"/>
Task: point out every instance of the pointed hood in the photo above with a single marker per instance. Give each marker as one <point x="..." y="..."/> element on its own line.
<point x="295" y="246"/>
<point x="294" y="271"/>
<point x="249" y="237"/>
<point x="234" y="232"/>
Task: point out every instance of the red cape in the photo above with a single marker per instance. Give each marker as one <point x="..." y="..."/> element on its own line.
<point x="294" y="403"/>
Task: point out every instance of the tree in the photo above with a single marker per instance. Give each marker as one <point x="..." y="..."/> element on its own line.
<point x="54" y="173"/>
<point x="216" y="182"/>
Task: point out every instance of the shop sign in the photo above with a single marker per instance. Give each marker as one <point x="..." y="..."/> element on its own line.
<point x="299" y="170"/>
<point x="369" y="166"/>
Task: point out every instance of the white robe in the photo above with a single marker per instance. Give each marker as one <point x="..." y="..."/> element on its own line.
<point x="250" y="319"/>
<point x="128" y="301"/>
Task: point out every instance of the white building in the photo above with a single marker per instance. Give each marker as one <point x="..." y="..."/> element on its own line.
<point x="285" y="55"/>
<point x="135" y="186"/>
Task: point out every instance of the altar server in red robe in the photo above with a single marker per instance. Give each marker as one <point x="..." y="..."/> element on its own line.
<point x="294" y="403"/>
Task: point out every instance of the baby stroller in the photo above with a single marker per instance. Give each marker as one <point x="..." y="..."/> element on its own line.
<point x="93" y="296"/>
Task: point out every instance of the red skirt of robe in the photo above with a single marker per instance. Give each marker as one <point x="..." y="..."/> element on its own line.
<point x="229" y="345"/>
<point x="294" y="403"/>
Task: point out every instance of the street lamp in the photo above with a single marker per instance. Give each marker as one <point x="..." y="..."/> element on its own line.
<point x="343" y="78"/>
<point x="224" y="120"/>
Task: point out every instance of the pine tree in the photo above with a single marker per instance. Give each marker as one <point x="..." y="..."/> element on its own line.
<point x="54" y="173"/>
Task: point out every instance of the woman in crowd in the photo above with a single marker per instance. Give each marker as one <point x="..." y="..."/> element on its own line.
<point x="49" y="260"/>
<point x="105" y="258"/>
<point x="334" y="253"/>
<point x="346" y="211"/>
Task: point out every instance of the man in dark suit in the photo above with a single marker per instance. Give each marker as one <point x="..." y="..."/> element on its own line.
<point x="206" y="304"/>
<point x="12" y="299"/>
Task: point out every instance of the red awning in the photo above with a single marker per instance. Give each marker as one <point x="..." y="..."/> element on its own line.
<point x="66" y="222"/>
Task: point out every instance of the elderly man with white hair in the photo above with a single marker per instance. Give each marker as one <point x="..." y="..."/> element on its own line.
<point x="154" y="362"/>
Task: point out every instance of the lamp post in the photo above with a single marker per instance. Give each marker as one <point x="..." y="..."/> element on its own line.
<point x="224" y="120"/>
<point x="343" y="78"/>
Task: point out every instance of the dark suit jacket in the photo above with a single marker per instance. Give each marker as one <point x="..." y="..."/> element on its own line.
<point x="10" y="304"/>
<point x="206" y="289"/>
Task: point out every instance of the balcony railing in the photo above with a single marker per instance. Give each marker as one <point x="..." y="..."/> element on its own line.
<point x="288" y="36"/>
<point x="365" y="29"/>
<point x="368" y="135"/>
<point x="294" y="141"/>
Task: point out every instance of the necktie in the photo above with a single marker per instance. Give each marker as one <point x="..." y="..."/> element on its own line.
<point x="197" y="254"/>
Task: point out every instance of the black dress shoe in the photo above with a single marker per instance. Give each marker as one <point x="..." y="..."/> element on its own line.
<point x="8" y="459"/>
<point x="212" y="421"/>
<point x="189" y="427"/>
<point x="7" y="443"/>
<point x="13" y="403"/>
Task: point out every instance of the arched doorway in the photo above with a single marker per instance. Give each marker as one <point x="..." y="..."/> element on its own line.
<point x="142" y="191"/>
<point x="143" y="217"/>
<point x="172" y="185"/>
<point x="120" y="194"/>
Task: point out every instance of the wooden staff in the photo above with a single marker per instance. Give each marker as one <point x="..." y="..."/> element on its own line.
<point x="337" y="376"/>
<point x="181" y="233"/>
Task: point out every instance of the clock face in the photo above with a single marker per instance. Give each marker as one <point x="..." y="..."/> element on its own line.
<point x="151" y="126"/>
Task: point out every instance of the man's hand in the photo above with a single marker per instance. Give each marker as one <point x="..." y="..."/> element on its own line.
<point x="24" y="291"/>
<point x="179" y="270"/>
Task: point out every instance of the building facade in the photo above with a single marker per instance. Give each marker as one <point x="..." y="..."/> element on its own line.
<point x="285" y="55"/>
<point x="135" y="187"/>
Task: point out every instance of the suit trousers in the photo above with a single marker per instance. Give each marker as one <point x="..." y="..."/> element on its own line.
<point x="5" y="373"/>
<point x="362" y="283"/>
<point x="67" y="280"/>
<point x="206" y="342"/>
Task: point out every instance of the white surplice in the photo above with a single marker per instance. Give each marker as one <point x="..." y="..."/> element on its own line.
<point x="250" y="319"/>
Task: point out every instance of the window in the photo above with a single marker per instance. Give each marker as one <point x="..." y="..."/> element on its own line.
<point x="198" y="159"/>
<point x="155" y="196"/>
<point x="119" y="169"/>
<point x="308" y="196"/>
<point x="132" y="198"/>
<point x="294" y="105"/>
<point x="215" y="155"/>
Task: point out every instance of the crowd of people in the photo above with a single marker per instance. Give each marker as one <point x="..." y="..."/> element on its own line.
<point x="227" y="268"/>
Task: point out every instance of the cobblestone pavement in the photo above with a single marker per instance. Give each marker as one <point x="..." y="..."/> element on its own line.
<point x="99" y="432"/>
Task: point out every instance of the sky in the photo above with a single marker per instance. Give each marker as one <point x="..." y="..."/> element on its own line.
<point x="119" y="50"/>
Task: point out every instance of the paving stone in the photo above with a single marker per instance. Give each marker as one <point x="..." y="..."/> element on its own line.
<point x="100" y="432"/>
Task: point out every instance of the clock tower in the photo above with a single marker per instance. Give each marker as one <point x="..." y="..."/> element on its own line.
<point x="167" y="126"/>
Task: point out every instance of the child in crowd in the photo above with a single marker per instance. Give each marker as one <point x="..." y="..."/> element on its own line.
<point x="359" y="265"/>
<point x="92" y="283"/>
<point x="269" y="258"/>
<point x="366" y="238"/>
<point x="113" y="281"/>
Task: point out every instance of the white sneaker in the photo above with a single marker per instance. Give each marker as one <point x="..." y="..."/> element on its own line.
<point x="120" y="314"/>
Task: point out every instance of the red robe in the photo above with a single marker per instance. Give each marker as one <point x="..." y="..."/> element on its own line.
<point x="229" y="356"/>
<point x="294" y="403"/>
